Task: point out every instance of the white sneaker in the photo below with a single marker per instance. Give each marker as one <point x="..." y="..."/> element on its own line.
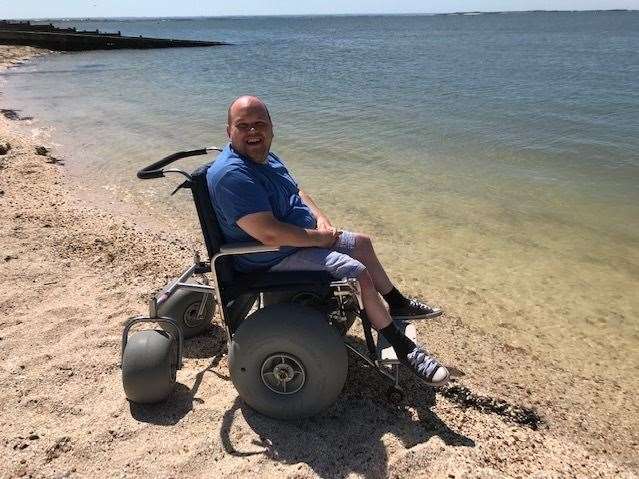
<point x="426" y="367"/>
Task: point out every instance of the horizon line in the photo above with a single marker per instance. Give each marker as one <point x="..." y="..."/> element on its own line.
<point x="178" y="17"/>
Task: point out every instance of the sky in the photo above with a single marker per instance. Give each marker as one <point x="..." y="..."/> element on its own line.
<point x="169" y="8"/>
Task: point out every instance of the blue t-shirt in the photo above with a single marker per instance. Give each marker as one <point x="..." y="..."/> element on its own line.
<point x="238" y="187"/>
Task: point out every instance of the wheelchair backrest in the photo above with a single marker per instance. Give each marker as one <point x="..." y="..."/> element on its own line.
<point x="211" y="231"/>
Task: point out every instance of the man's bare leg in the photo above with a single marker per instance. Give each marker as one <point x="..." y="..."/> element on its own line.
<point x="375" y="309"/>
<point x="365" y="254"/>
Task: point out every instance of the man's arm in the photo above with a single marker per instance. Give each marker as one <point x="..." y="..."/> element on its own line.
<point x="323" y="223"/>
<point x="265" y="228"/>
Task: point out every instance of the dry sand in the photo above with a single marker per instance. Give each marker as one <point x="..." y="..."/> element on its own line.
<point x="72" y="273"/>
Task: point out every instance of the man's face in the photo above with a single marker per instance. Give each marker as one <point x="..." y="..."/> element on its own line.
<point x="250" y="130"/>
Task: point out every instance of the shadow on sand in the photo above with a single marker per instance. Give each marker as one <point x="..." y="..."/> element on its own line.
<point x="348" y="437"/>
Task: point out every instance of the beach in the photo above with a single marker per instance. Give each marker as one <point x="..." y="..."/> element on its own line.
<point x="74" y="271"/>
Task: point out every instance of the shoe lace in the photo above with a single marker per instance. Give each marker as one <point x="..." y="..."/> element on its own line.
<point x="424" y="363"/>
<point x="419" y="306"/>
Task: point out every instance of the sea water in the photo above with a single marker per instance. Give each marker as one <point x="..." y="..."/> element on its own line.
<point x="494" y="158"/>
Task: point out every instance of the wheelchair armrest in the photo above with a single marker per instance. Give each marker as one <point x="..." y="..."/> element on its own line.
<point x="245" y="248"/>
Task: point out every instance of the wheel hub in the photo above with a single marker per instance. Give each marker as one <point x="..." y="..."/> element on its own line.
<point x="283" y="373"/>
<point x="191" y="318"/>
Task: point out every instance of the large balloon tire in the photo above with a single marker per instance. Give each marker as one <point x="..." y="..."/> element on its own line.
<point x="183" y="307"/>
<point x="299" y="341"/>
<point x="149" y="366"/>
<point x="312" y="300"/>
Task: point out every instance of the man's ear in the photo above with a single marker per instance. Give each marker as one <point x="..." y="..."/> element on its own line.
<point x="228" y="131"/>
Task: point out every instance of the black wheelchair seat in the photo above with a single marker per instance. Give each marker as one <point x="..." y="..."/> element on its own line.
<point x="231" y="281"/>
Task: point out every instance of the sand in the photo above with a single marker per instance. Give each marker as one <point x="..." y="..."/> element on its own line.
<point x="73" y="272"/>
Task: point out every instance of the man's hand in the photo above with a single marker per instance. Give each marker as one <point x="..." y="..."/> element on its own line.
<point x="324" y="226"/>
<point x="327" y="238"/>
<point x="323" y="223"/>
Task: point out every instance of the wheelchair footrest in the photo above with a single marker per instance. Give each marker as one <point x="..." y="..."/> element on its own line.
<point x="385" y="351"/>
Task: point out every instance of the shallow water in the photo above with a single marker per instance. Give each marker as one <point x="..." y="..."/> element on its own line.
<point x="495" y="158"/>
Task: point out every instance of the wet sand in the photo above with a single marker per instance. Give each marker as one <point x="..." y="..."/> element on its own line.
<point x="73" y="273"/>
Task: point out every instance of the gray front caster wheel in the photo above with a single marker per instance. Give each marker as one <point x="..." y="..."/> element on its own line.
<point x="149" y="366"/>
<point x="287" y="362"/>
<point x="183" y="306"/>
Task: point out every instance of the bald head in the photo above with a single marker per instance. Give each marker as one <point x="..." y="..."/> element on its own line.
<point x="249" y="128"/>
<point x="246" y="102"/>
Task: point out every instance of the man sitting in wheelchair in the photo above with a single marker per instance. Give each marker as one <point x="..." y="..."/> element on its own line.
<point x="256" y="198"/>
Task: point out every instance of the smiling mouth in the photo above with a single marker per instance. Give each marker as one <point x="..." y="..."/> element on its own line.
<point x="254" y="141"/>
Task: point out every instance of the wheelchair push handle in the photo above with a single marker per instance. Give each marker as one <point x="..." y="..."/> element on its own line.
<point x="155" y="170"/>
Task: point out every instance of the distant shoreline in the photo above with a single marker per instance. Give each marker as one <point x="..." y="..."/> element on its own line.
<point x="424" y="14"/>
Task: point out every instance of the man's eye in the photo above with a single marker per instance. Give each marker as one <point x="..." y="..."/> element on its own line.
<point x="241" y="126"/>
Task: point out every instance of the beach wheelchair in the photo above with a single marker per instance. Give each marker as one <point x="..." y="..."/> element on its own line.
<point x="286" y="331"/>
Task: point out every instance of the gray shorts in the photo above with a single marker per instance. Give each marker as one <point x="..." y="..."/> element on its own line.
<point x="335" y="261"/>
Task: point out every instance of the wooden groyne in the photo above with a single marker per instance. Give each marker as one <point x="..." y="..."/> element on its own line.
<point x="70" y="39"/>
